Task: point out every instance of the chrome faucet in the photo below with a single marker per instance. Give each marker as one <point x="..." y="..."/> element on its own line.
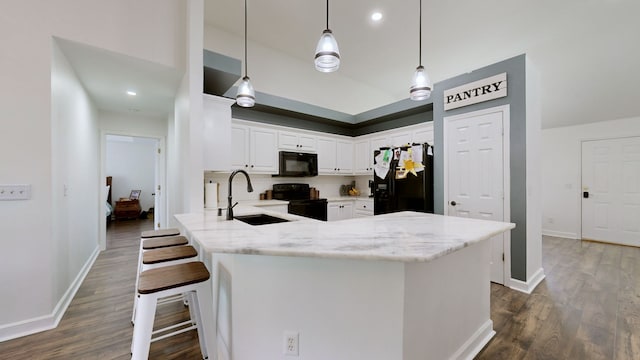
<point x="230" y="205"/>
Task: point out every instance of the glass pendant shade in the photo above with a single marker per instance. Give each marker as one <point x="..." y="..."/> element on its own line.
<point x="327" y="53"/>
<point x="420" y="86"/>
<point x="246" y="95"/>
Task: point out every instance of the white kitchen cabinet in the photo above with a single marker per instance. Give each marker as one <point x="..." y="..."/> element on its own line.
<point x="424" y="134"/>
<point x="339" y="210"/>
<point x="344" y="157"/>
<point x="397" y="139"/>
<point x="335" y="156"/>
<point x="363" y="207"/>
<point x="363" y="157"/>
<point x="216" y="117"/>
<point x="296" y="141"/>
<point x="378" y="141"/>
<point x="326" y="155"/>
<point x="254" y="149"/>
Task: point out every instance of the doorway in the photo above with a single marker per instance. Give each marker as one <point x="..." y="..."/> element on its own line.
<point x="476" y="160"/>
<point x="611" y="190"/>
<point x="136" y="167"/>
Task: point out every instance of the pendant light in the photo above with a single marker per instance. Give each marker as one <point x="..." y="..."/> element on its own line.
<point x="327" y="53"/>
<point x="421" y="85"/>
<point x="246" y="96"/>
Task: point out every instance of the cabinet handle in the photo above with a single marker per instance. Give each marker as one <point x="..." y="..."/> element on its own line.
<point x="245" y="165"/>
<point x="364" y="206"/>
<point x="251" y="165"/>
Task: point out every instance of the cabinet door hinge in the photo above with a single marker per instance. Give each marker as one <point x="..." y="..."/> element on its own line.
<point x="159" y="151"/>
<point x="502" y="256"/>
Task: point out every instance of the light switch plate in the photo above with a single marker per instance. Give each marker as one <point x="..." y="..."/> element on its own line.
<point x="15" y="192"/>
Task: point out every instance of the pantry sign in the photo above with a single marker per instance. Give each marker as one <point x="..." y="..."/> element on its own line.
<point x="490" y="88"/>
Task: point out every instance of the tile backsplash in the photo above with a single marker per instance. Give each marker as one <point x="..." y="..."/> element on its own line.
<point x="329" y="186"/>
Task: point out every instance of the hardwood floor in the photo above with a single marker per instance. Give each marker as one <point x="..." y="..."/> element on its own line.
<point x="97" y="324"/>
<point x="588" y="307"/>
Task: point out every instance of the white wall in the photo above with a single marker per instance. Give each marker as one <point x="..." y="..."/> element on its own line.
<point x="561" y="171"/>
<point x="131" y="161"/>
<point x="39" y="255"/>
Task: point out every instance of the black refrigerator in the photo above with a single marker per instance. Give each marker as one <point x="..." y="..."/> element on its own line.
<point x="395" y="192"/>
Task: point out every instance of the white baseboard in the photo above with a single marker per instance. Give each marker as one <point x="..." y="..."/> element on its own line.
<point x="476" y="342"/>
<point x="560" y="234"/>
<point x="47" y="322"/>
<point x="530" y="285"/>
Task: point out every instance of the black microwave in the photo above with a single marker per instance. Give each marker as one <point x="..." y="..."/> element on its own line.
<point x="297" y="164"/>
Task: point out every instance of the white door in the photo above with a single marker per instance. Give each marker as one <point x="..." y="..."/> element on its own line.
<point x="611" y="190"/>
<point x="475" y="173"/>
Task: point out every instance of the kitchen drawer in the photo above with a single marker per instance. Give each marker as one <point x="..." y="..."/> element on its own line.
<point x="364" y="206"/>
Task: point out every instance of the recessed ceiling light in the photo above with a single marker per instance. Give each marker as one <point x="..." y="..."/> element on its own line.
<point x="376" y="16"/>
<point x="132" y="93"/>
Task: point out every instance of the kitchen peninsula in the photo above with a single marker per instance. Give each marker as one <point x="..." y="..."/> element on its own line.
<point x="395" y="286"/>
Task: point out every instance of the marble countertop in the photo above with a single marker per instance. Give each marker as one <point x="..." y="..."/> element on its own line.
<point x="404" y="236"/>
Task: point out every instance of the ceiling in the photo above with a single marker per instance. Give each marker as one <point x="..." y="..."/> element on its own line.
<point x="587" y="51"/>
<point x="107" y="76"/>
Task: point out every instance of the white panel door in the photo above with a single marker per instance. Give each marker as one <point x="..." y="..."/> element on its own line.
<point x="611" y="190"/>
<point x="475" y="173"/>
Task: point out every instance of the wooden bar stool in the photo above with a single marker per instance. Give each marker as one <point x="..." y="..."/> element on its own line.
<point x="159" y="233"/>
<point x="164" y="256"/>
<point x="190" y="278"/>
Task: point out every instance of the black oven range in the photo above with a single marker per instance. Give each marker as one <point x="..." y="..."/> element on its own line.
<point x="300" y="202"/>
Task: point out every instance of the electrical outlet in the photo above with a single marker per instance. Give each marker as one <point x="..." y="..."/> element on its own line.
<point x="291" y="343"/>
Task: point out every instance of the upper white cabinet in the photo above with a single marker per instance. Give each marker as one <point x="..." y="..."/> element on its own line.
<point x="424" y="134"/>
<point x="326" y="155"/>
<point x="254" y="149"/>
<point x="344" y="160"/>
<point x="363" y="157"/>
<point x="335" y="156"/>
<point x="216" y="117"/>
<point x="296" y="141"/>
<point x="399" y="138"/>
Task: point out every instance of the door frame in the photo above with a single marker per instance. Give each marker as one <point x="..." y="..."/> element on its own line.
<point x="506" y="168"/>
<point x="160" y="207"/>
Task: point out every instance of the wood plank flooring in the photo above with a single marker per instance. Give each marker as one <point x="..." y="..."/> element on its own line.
<point x="588" y="307"/>
<point x="97" y="324"/>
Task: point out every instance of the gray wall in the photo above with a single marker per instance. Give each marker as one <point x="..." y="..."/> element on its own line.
<point x="274" y="116"/>
<point x="515" y="69"/>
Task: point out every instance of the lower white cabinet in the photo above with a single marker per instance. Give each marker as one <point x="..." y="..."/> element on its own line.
<point x="339" y="210"/>
<point x="364" y="207"/>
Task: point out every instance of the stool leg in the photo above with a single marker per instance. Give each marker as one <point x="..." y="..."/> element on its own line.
<point x="196" y="310"/>
<point x="145" y="315"/>
<point x="135" y="291"/>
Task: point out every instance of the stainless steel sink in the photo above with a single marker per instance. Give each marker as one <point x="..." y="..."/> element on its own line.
<point x="260" y="219"/>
